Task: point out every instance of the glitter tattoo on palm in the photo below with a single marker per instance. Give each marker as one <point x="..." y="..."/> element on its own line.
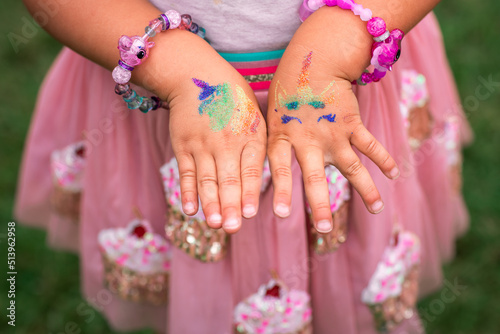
<point x="304" y="95"/>
<point x="220" y="106"/>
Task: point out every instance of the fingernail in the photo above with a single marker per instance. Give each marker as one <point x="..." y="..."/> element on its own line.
<point x="282" y="210"/>
<point x="231" y="223"/>
<point x="324" y="226"/>
<point x="377" y="206"/>
<point x="189" y="208"/>
<point x="249" y="211"/>
<point x="215" y="219"/>
<point x="394" y="173"/>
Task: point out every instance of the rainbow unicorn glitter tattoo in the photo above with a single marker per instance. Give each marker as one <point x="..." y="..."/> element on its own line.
<point x="246" y="118"/>
<point x="304" y="95"/>
<point x="220" y="106"/>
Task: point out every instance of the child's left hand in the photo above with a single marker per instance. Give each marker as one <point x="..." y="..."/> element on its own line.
<point x="313" y="109"/>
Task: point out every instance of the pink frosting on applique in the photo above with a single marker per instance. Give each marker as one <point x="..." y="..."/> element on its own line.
<point x="451" y="140"/>
<point x="414" y="93"/>
<point x="136" y="247"/>
<point x="272" y="310"/>
<point x="397" y="261"/>
<point x="67" y="166"/>
<point x="266" y="176"/>
<point x="338" y="189"/>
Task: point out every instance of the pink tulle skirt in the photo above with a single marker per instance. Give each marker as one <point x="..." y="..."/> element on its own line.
<point x="125" y="151"/>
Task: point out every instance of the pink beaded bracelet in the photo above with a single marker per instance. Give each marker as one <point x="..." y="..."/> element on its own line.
<point x="134" y="50"/>
<point x="387" y="46"/>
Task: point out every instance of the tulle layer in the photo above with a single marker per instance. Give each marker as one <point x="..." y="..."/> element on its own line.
<point x="125" y="151"/>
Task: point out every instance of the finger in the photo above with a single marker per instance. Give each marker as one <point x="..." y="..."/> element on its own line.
<point x="366" y="143"/>
<point x="280" y="161"/>
<point x="187" y="175"/>
<point x="313" y="172"/>
<point x="252" y="163"/>
<point x="351" y="167"/>
<point x="208" y="190"/>
<point x="229" y="180"/>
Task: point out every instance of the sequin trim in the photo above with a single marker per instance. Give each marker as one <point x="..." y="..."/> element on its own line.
<point x="66" y="203"/>
<point x="259" y="77"/>
<point x="195" y="237"/>
<point x="134" y="286"/>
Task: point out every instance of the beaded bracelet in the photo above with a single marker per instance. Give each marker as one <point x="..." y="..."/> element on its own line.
<point x="134" y="50"/>
<point x="387" y="46"/>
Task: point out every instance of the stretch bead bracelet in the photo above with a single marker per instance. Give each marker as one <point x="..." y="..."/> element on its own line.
<point x="387" y="46"/>
<point x="134" y="50"/>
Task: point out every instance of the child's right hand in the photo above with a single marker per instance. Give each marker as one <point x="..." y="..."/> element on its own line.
<point x="219" y="138"/>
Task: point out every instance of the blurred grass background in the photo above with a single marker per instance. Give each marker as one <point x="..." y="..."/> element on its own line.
<point x="47" y="293"/>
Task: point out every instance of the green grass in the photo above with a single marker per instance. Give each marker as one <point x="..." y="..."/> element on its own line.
<point x="48" y="281"/>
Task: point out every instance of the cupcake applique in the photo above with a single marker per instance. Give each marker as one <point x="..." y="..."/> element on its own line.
<point x="192" y="233"/>
<point x="274" y="309"/>
<point x="67" y="167"/>
<point x="414" y="107"/>
<point x="392" y="291"/>
<point x="136" y="262"/>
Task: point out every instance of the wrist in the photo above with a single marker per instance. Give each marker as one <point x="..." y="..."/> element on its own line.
<point x="135" y="49"/>
<point x="171" y="62"/>
<point x="339" y="38"/>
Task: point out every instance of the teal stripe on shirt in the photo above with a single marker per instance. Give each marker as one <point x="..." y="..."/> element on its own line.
<point x="254" y="56"/>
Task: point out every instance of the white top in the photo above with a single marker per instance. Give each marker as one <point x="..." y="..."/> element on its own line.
<point x="241" y="26"/>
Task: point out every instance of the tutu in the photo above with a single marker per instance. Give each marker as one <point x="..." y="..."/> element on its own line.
<point x="125" y="151"/>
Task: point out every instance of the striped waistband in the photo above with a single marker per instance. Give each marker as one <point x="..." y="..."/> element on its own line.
<point x="257" y="68"/>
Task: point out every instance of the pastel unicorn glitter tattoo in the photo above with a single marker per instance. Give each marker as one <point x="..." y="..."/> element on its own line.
<point x="220" y="106"/>
<point x="305" y="94"/>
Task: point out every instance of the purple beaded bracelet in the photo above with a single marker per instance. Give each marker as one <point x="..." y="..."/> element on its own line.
<point x="134" y="50"/>
<point x="387" y="46"/>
